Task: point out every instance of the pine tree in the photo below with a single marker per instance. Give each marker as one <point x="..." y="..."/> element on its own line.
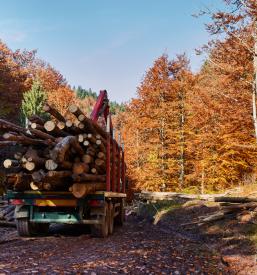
<point x="33" y="100"/>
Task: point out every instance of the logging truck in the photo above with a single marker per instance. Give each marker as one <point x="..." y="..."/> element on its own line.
<point x="66" y="171"/>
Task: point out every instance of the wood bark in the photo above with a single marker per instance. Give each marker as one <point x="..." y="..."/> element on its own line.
<point x="80" y="190"/>
<point x="89" y="177"/>
<point x="6" y="125"/>
<point x="49" y="109"/>
<point x="24" y="139"/>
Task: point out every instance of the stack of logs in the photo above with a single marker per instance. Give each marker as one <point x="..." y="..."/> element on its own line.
<point x="243" y="209"/>
<point x="57" y="154"/>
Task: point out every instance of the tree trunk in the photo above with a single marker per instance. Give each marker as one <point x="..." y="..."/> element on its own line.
<point x="254" y="90"/>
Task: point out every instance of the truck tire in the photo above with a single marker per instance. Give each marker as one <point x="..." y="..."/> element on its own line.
<point x="111" y="218"/>
<point x="27" y="229"/>
<point x="24" y="227"/>
<point x="101" y="230"/>
<point x="120" y="218"/>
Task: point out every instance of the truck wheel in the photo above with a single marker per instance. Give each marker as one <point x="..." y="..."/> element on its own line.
<point x="111" y="218"/>
<point x="120" y="218"/>
<point x="24" y="227"/>
<point x="101" y="230"/>
<point x="27" y="229"/>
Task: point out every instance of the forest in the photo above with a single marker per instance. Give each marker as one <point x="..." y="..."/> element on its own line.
<point x="185" y="131"/>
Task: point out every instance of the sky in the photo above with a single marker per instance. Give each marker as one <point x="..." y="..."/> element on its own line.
<point x="105" y="44"/>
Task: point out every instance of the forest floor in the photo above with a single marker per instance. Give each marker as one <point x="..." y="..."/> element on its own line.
<point x="139" y="247"/>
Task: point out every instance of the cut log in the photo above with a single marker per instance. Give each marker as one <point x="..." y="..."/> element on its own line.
<point x="49" y="109"/>
<point x="80" y="138"/>
<point x="36" y="186"/>
<point x="42" y="135"/>
<point x="242" y="206"/>
<point x="6" y="125"/>
<point x="49" y="126"/>
<point x="47" y="186"/>
<point x="91" y="151"/>
<point x="80" y="168"/>
<point x="235" y="199"/>
<point x="29" y="165"/>
<point x="62" y="147"/>
<point x="58" y="174"/>
<point x="80" y="190"/>
<point x="66" y="165"/>
<point x="37" y="126"/>
<point x="87" y="159"/>
<point x="91" y="138"/>
<point x="93" y="170"/>
<point x="18" y="155"/>
<point x="101" y="155"/>
<point x="38" y="176"/>
<point x="19" y="181"/>
<point x="37" y="119"/>
<point x="9" y="163"/>
<point x="81" y="117"/>
<point x="68" y="123"/>
<point x="100" y="163"/>
<point x="81" y="126"/>
<point x="88" y="124"/>
<point x="51" y="165"/>
<point x="24" y="140"/>
<point x="86" y="143"/>
<point x="88" y="177"/>
<point x="61" y="125"/>
<point x="32" y="155"/>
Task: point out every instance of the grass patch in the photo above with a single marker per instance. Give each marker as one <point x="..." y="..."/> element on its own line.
<point x="154" y="211"/>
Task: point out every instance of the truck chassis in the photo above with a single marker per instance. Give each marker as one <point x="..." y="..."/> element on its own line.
<point x="35" y="211"/>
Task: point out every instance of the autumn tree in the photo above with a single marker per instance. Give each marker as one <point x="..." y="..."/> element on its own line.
<point x="155" y="126"/>
<point x="222" y="103"/>
<point x="14" y="79"/>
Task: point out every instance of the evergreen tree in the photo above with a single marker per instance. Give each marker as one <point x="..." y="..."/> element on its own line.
<point x="33" y="100"/>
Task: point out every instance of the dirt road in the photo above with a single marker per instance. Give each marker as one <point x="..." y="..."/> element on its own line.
<point x="137" y="248"/>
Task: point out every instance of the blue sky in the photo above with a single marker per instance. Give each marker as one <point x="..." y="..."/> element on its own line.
<point x="105" y="44"/>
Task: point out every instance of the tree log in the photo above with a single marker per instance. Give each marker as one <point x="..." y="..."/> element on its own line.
<point x="13" y="127"/>
<point x="51" y="165"/>
<point x="62" y="147"/>
<point x="29" y="165"/>
<point x="88" y="124"/>
<point x="235" y="199"/>
<point x="37" y="119"/>
<point x="88" y="177"/>
<point x="32" y="155"/>
<point x="80" y="168"/>
<point x="19" y="181"/>
<point x="80" y="190"/>
<point x="49" y="109"/>
<point x="37" y="126"/>
<point x="36" y="186"/>
<point x="9" y="163"/>
<point x="42" y="135"/>
<point x="87" y="159"/>
<point x="50" y="126"/>
<point x="24" y="140"/>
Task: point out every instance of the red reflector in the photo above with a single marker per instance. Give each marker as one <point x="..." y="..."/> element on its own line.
<point x="17" y="202"/>
<point x="95" y="203"/>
